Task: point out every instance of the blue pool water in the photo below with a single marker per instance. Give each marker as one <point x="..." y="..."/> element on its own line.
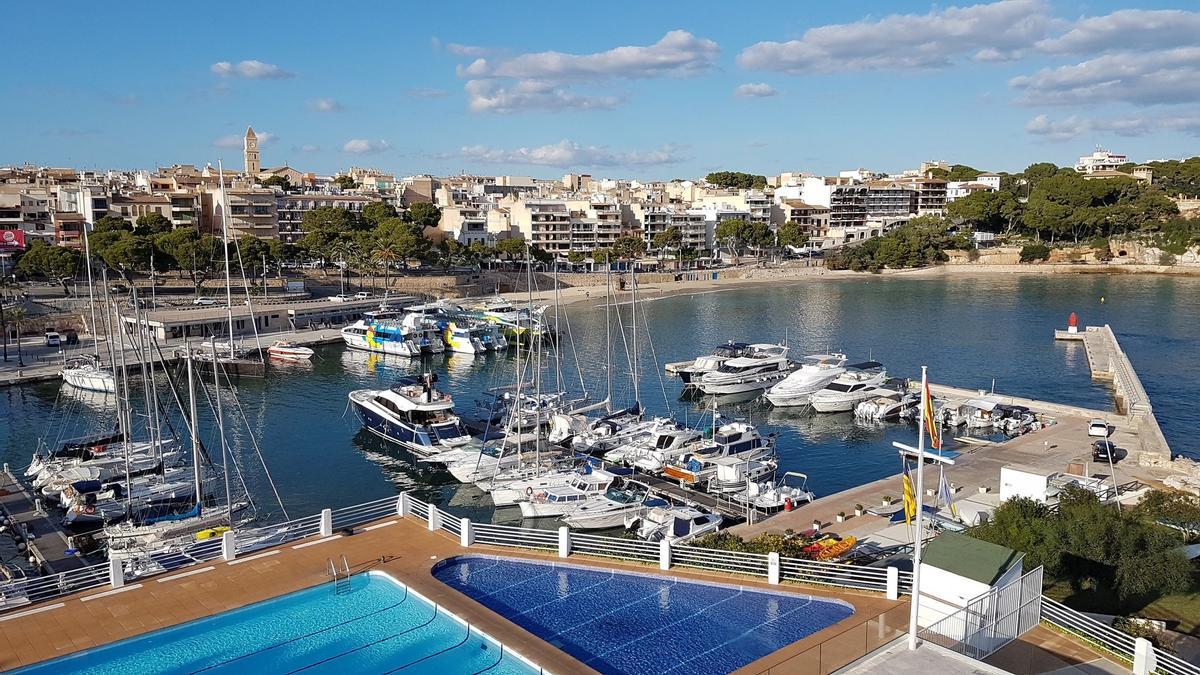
<point x="374" y="626"/>
<point x="619" y="622"/>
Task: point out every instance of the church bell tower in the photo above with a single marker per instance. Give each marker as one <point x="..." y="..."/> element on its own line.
<point x="250" y="150"/>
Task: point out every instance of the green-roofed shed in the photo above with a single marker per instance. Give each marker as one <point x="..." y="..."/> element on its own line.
<point x="972" y="558"/>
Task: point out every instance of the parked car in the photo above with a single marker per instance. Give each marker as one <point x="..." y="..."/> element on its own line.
<point x="362" y="295"/>
<point x="117" y="288"/>
<point x="204" y="302"/>
<point x="72" y="336"/>
<point x="1103" y="450"/>
<point x="1098" y="427"/>
<point x="53" y="339"/>
<point x="340" y="297"/>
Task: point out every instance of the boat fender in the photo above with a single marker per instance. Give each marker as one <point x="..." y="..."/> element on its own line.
<point x="528" y="492"/>
<point x="540" y="496"/>
<point x="787" y="504"/>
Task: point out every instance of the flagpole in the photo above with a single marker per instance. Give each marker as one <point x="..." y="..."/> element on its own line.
<point x="916" y="557"/>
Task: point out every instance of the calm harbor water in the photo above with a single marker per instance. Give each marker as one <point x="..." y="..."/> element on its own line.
<point x="968" y="331"/>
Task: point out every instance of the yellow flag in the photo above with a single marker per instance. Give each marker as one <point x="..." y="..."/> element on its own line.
<point x="910" y="500"/>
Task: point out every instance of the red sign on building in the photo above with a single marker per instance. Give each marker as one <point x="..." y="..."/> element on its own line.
<point x="12" y="239"/>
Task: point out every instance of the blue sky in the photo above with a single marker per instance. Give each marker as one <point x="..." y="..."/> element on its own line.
<point x="652" y="90"/>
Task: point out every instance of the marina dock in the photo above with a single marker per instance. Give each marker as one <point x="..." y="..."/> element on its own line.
<point x="1062" y="446"/>
<point x="48" y="542"/>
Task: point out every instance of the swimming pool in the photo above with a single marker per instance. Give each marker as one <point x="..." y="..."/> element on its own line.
<point x="374" y="625"/>
<point x="619" y="622"/>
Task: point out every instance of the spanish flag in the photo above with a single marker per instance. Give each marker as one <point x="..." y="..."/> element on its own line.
<point x="910" y="498"/>
<point x="935" y="440"/>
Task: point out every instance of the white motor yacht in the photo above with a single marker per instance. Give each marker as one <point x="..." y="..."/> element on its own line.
<point x="676" y="524"/>
<point x="663" y="447"/>
<point x="814" y="373"/>
<point x="611" y="508"/>
<point x="736" y="441"/>
<point x="692" y="372"/>
<point x="759" y="368"/>
<point x="859" y="383"/>
<point x="791" y="491"/>
<point x="886" y="406"/>
<point x="733" y="474"/>
<point x="559" y="499"/>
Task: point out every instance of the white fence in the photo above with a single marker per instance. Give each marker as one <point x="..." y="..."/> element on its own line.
<point x="1139" y="652"/>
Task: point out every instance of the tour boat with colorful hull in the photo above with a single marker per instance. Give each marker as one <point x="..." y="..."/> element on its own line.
<point x="412" y="414"/>
<point x="390" y="332"/>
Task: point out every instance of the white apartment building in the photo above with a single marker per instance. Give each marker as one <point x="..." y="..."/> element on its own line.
<point x="290" y="209"/>
<point x="959" y="189"/>
<point x="654" y="219"/>
<point x="1100" y="160"/>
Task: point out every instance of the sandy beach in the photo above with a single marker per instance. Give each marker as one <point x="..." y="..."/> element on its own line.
<point x="789" y="274"/>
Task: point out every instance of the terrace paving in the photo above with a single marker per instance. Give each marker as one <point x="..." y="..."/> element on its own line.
<point x="403" y="548"/>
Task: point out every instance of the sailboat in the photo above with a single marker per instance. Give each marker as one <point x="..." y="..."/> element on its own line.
<point x="166" y="533"/>
<point x="86" y="372"/>
<point x="231" y="358"/>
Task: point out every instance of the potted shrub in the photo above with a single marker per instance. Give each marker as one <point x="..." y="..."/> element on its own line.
<point x="841" y="516"/>
<point x="887" y="500"/>
<point x="859" y="510"/>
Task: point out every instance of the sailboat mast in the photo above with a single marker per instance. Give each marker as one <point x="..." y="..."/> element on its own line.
<point x="633" y="336"/>
<point x="225" y="211"/>
<point x="194" y="424"/>
<point x="221" y="429"/>
<point x="608" y="333"/>
<point x="87" y="256"/>
<point x="128" y="408"/>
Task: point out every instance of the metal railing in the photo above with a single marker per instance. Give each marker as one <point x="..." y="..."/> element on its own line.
<point x="1105" y="638"/>
<point x="22" y="592"/>
<point x="991" y="620"/>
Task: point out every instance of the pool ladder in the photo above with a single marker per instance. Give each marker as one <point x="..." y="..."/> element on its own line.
<point x="341" y="578"/>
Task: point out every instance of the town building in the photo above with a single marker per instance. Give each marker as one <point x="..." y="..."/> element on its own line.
<point x="1100" y="160"/>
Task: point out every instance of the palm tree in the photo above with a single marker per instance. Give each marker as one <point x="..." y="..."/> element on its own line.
<point x="15" y="316"/>
<point x="387" y="255"/>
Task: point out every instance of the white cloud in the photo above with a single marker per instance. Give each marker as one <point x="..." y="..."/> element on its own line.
<point x="234" y="141"/>
<point x="1146" y="78"/>
<point x="325" y="105"/>
<point x="469" y="50"/>
<point x="1187" y="122"/>
<point x="754" y="90"/>
<point x="309" y="148"/>
<point x="988" y="32"/>
<point x="489" y="96"/>
<point x="428" y="93"/>
<point x="567" y="153"/>
<point x="253" y="70"/>
<point x="363" y="146"/>
<point x="1127" y="29"/>
<point x="678" y="53"/>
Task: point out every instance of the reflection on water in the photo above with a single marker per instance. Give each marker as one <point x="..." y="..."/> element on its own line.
<point x="968" y="331"/>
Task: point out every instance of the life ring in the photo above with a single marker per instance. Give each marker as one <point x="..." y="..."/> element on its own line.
<point x="529" y="492"/>
<point x="89" y="509"/>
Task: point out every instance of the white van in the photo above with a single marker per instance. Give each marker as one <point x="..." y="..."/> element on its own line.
<point x="53" y="339"/>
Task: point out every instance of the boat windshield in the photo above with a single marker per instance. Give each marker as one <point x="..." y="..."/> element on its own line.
<point x="449" y="430"/>
<point x="620" y="496"/>
<point x="727" y="351"/>
<point x="840" y="386"/>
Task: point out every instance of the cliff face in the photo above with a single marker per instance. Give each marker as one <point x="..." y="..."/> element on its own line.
<point x="1144" y="253"/>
